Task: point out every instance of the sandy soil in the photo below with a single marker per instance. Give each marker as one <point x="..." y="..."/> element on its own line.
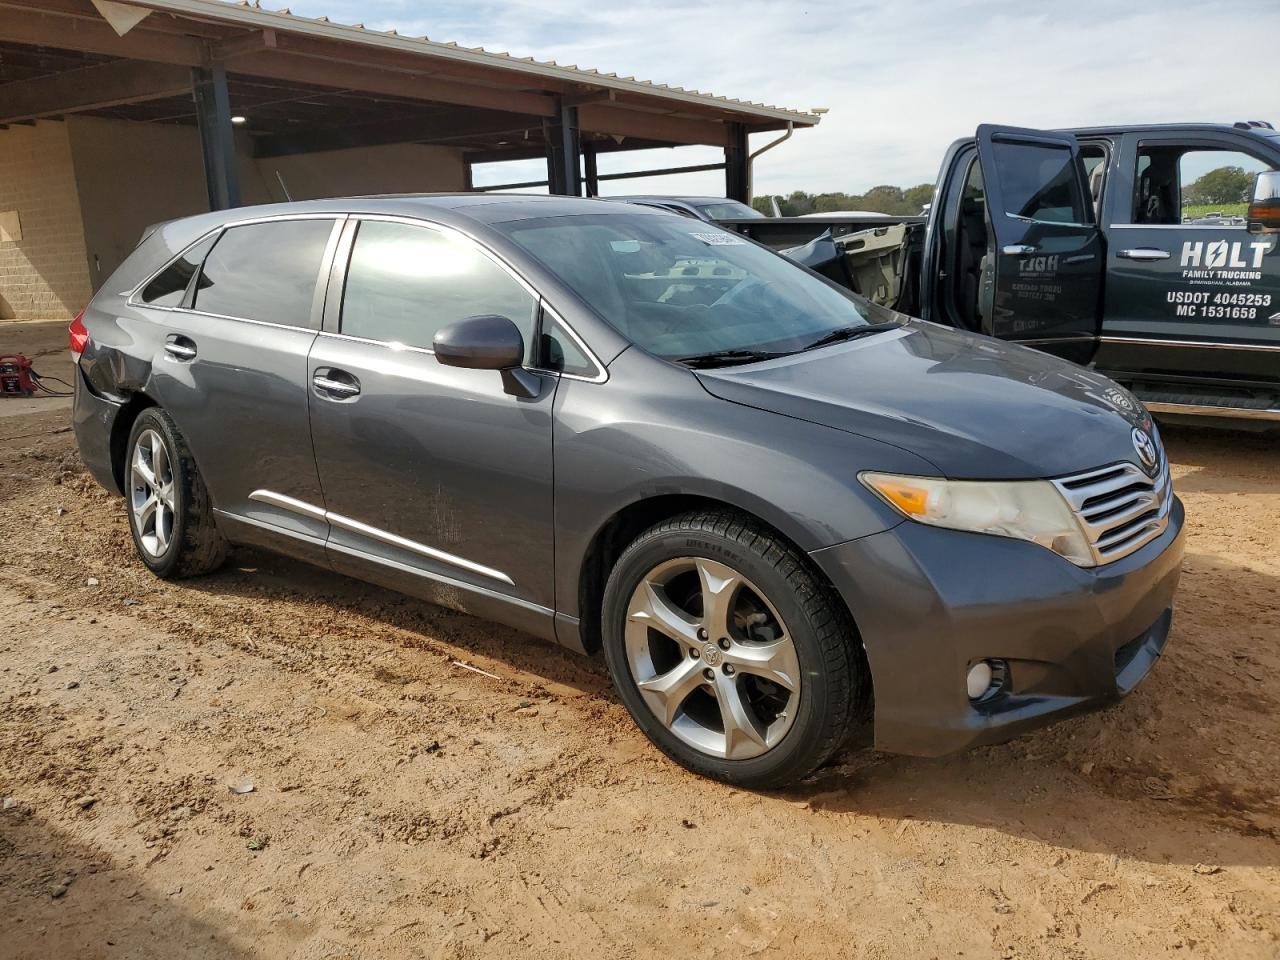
<point x="404" y="806"/>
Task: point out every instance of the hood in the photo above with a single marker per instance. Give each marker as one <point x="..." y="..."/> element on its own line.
<point x="975" y="407"/>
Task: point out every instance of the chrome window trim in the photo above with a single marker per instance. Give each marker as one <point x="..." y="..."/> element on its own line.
<point x="305" y="509"/>
<point x="540" y="301"/>
<point x="1197" y="344"/>
<point x="1174" y="226"/>
<point x="602" y="373"/>
<point x="223" y="316"/>
<point x="389" y="344"/>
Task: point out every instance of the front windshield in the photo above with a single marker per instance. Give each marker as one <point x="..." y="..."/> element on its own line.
<point x="681" y="288"/>
<point x="729" y="210"/>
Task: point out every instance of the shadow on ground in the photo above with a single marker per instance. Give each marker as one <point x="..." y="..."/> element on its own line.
<point x="101" y="909"/>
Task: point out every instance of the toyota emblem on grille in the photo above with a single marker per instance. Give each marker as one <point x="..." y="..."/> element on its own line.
<point x="1146" y="449"/>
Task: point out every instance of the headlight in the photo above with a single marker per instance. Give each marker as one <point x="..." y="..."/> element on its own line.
<point x="1023" y="509"/>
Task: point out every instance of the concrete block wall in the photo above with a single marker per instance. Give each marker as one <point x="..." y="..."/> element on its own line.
<point x="45" y="274"/>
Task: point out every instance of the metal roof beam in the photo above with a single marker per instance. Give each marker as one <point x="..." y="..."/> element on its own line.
<point x="54" y="30"/>
<point x="536" y="151"/>
<point x="256" y="42"/>
<point x="281" y="65"/>
<point x="448" y="128"/>
<point x="91" y="88"/>
<point x="618" y="121"/>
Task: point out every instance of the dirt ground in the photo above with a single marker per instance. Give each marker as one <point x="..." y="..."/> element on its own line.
<point x="404" y="806"/>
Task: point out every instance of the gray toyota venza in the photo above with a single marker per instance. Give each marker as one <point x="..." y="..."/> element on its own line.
<point x="783" y="513"/>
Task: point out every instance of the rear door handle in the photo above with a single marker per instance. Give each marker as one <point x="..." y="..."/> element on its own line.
<point x="180" y="348"/>
<point x="1143" y="253"/>
<point x="333" y="384"/>
<point x="1019" y="250"/>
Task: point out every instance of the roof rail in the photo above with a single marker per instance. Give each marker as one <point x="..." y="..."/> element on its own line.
<point x="1253" y="125"/>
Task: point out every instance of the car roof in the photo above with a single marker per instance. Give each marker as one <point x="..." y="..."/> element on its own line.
<point x="484" y="208"/>
<point x="666" y="198"/>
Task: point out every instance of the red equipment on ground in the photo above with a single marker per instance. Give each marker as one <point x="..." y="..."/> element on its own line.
<point x="16" y="379"/>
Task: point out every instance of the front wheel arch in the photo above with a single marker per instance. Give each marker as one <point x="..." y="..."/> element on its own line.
<point x="621" y="530"/>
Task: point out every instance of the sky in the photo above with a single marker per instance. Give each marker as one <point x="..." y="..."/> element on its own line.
<point x="902" y="79"/>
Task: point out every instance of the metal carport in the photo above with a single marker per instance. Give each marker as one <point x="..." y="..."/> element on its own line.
<point x="305" y="85"/>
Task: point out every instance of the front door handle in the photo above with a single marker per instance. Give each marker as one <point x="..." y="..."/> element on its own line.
<point x="180" y="348"/>
<point x="335" y="384"/>
<point x="1019" y="250"/>
<point x="1143" y="253"/>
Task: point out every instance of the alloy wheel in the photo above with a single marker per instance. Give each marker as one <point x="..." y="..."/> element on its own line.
<point x="712" y="658"/>
<point x="151" y="492"/>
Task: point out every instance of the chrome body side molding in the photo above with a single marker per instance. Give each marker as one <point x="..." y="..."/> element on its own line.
<point x="1196" y="344"/>
<point x="355" y="526"/>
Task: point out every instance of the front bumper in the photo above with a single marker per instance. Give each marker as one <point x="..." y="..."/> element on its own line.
<point x="931" y="602"/>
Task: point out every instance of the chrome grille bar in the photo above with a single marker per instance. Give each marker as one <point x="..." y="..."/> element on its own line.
<point x="1120" y="507"/>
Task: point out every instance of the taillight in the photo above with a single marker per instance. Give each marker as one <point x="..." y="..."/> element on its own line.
<point x="79" y="335"/>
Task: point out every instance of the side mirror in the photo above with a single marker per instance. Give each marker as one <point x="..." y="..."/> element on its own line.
<point x="487" y="342"/>
<point x="1264" y="208"/>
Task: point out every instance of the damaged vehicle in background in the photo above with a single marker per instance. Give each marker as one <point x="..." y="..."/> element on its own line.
<point x="1075" y="243"/>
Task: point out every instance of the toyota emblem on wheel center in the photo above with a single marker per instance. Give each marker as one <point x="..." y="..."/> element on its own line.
<point x="1146" y="448"/>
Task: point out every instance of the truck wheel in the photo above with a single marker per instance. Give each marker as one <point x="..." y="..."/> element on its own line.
<point x="170" y="515"/>
<point x="732" y="656"/>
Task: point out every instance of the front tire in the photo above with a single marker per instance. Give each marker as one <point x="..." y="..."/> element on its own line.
<point x="731" y="654"/>
<point x="170" y="515"/>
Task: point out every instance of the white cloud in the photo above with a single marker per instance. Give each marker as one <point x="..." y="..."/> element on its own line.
<point x="902" y="79"/>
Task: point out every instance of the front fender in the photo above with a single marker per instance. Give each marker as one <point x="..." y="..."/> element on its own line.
<point x="653" y="431"/>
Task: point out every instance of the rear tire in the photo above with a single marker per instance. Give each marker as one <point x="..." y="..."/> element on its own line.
<point x="170" y="515"/>
<point x="733" y="656"/>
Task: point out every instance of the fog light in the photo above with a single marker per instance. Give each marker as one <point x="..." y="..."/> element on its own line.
<point x="979" y="680"/>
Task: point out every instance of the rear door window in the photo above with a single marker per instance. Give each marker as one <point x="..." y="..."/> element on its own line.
<point x="265" y="271"/>
<point x="405" y="282"/>
<point x="1203" y="185"/>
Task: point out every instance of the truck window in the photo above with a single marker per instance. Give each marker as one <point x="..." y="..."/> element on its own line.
<point x="1216" y="185"/>
<point x="1094" y="158"/>
<point x="1038" y="182"/>
<point x="1183" y="184"/>
<point x="973" y="243"/>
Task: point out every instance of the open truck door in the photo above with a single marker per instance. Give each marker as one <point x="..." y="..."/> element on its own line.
<point x="1042" y="280"/>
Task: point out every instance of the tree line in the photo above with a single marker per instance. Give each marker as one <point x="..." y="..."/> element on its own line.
<point x="899" y="201"/>
<point x="1223" y="185"/>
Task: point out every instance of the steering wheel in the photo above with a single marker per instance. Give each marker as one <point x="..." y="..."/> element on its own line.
<point x="734" y="293"/>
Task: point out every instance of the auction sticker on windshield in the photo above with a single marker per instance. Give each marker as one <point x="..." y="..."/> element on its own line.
<point x="718" y="239"/>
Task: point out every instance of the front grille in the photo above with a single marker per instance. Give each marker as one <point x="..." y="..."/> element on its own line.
<point x="1120" y="506"/>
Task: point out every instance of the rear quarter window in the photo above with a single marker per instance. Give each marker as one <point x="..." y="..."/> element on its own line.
<point x="169" y="287"/>
<point x="264" y="271"/>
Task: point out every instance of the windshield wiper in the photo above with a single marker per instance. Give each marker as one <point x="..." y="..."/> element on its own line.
<point x="841" y="334"/>
<point x="726" y="358"/>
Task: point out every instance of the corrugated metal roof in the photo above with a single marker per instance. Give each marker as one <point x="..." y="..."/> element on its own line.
<point x="254" y="15"/>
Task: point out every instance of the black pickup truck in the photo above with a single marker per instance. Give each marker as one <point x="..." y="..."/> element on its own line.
<point x="1078" y="242"/>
